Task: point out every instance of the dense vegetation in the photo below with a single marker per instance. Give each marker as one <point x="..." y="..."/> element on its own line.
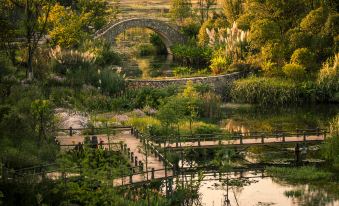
<point x="289" y="51"/>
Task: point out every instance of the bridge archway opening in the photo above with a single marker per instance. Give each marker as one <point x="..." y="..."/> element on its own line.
<point x="168" y="33"/>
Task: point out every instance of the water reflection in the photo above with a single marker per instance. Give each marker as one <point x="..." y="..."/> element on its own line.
<point x="148" y="66"/>
<point x="245" y="118"/>
<point x="253" y="189"/>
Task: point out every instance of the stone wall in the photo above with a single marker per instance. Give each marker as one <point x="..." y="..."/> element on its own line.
<point x="219" y="83"/>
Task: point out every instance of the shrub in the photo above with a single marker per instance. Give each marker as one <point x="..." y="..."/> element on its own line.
<point x="294" y="71"/>
<point x="330" y="150"/>
<point x="304" y="58"/>
<point x="265" y="91"/>
<point x="111" y="82"/>
<point x="159" y="45"/>
<point x="106" y="56"/>
<point x="143" y="123"/>
<point x="182" y="71"/>
<point x="328" y="78"/>
<point x="207" y="129"/>
<point x="210" y="105"/>
<point x="146" y="49"/>
<point x="314" y="21"/>
<point x="219" y="62"/>
<point x="240" y="67"/>
<point x="191" y="55"/>
<point x="271" y="69"/>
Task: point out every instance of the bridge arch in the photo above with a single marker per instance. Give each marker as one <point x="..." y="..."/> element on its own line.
<point x="169" y="34"/>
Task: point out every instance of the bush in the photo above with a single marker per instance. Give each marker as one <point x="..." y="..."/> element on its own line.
<point x="265" y="91"/>
<point x="271" y="69"/>
<point x="328" y="78"/>
<point x="314" y="21"/>
<point x="106" y="56"/>
<point x="294" y="71"/>
<point x="146" y="49"/>
<point x="191" y="55"/>
<point x="207" y="129"/>
<point x="159" y="45"/>
<point x="241" y="67"/>
<point x="330" y="150"/>
<point x="111" y="82"/>
<point x="305" y="58"/>
<point x="219" y="64"/>
<point x="182" y="71"/>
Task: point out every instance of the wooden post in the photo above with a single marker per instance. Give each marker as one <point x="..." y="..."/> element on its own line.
<point x="70" y="131"/>
<point x="283" y="137"/>
<point x="131" y="178"/>
<point x="132" y="157"/>
<point x="152" y="175"/>
<point x="304" y="136"/>
<point x="141" y="166"/>
<point x="241" y="142"/>
<point x="318" y="131"/>
<point x="198" y="140"/>
<point x="136" y="161"/>
<point x="262" y="138"/>
<point x="176" y="143"/>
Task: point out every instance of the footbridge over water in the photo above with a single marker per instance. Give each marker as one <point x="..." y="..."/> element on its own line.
<point x="147" y="155"/>
<point x="168" y="33"/>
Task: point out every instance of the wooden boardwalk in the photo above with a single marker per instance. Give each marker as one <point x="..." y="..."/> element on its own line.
<point x="134" y="150"/>
<point x="134" y="144"/>
<point x="201" y="143"/>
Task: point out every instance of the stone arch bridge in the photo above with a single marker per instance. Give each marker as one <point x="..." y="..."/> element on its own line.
<point x="168" y="33"/>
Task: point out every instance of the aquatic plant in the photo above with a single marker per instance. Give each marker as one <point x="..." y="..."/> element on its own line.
<point x="299" y="174"/>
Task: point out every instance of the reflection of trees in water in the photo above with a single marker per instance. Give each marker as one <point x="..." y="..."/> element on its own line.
<point x="187" y="191"/>
<point x="243" y="118"/>
<point x="311" y="196"/>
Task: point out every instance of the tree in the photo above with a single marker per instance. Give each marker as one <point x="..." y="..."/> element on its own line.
<point x="294" y="71"/>
<point x="262" y="31"/>
<point x="233" y="9"/>
<point x="204" y="7"/>
<point x="66" y="27"/>
<point x="192" y="102"/>
<point x="35" y="19"/>
<point x="9" y="25"/>
<point x="314" y="21"/>
<point x="180" y="9"/>
<point x="43" y="117"/>
<point x="305" y="58"/>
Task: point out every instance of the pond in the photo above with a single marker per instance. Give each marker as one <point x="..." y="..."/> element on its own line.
<point x="264" y="192"/>
<point x="146" y="67"/>
<point x="255" y="189"/>
<point x="245" y="118"/>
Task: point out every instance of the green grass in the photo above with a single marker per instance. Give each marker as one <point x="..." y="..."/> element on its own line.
<point x="305" y="174"/>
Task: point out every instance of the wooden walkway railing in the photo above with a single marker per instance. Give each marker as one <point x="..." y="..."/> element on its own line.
<point x="240" y="139"/>
<point x="138" y="173"/>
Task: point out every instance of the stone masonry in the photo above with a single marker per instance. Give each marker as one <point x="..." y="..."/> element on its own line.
<point x="169" y="34"/>
<point x="217" y="82"/>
